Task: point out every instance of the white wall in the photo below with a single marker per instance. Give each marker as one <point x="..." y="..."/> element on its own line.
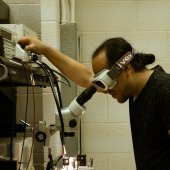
<point x="146" y="24"/>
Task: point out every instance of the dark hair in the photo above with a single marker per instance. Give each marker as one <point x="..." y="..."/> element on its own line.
<point x="140" y="61"/>
<point x="116" y="47"/>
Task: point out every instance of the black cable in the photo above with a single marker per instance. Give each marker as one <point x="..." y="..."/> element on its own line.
<point x="61" y="75"/>
<point x="59" y="106"/>
<point x="56" y="83"/>
<point x="80" y="139"/>
<point x="31" y="73"/>
<point x="43" y="66"/>
<point x="50" y="72"/>
<point x="50" y="164"/>
<point x="25" y="119"/>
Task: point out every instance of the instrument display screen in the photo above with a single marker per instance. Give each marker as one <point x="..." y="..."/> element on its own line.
<point x="5" y="34"/>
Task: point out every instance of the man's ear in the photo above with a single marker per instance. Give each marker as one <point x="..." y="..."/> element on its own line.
<point x="129" y="70"/>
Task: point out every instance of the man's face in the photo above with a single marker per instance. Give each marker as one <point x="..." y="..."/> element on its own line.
<point x="122" y="88"/>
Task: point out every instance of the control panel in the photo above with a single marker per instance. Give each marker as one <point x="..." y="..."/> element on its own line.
<point x="7" y="43"/>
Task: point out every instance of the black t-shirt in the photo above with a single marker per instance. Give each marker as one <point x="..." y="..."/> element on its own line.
<point x="150" y="122"/>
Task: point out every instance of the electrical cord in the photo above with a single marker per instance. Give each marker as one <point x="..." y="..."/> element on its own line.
<point x="46" y="70"/>
<point x="25" y="119"/>
<point x="61" y="106"/>
<point x="80" y="138"/>
<point x="56" y="84"/>
<point x="33" y="134"/>
<point x="52" y="78"/>
<point x="48" y="73"/>
<point x="51" y="74"/>
<point x="35" y="59"/>
<point x="61" y="75"/>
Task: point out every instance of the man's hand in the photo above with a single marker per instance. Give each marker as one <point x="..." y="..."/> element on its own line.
<point x="32" y="44"/>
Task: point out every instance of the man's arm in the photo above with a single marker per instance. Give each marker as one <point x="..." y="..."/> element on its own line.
<point x="71" y="68"/>
<point x="77" y="72"/>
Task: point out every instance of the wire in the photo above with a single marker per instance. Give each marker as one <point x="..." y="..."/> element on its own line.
<point x="56" y="83"/>
<point x="48" y="73"/>
<point x="33" y="134"/>
<point x="68" y="82"/>
<point x="25" y="119"/>
<point x="80" y="138"/>
<point x="54" y="80"/>
<point x="59" y="107"/>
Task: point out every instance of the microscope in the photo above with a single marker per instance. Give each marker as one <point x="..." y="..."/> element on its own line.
<point x="102" y="81"/>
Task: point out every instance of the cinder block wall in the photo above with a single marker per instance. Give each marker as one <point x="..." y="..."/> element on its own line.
<point x="25" y="12"/>
<point x="105" y="130"/>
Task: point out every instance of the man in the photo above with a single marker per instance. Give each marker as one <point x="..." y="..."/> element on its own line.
<point x="148" y="91"/>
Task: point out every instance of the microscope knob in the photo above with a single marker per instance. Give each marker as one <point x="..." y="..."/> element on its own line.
<point x="73" y="123"/>
<point x="40" y="136"/>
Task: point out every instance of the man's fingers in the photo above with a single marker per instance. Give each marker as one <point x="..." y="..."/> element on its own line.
<point x="24" y="41"/>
